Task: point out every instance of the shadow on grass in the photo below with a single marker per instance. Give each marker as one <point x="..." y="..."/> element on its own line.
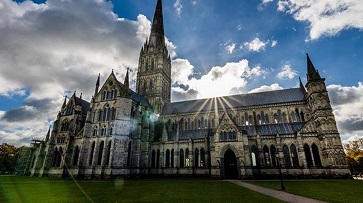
<point x="325" y="190"/>
<point x="26" y="189"/>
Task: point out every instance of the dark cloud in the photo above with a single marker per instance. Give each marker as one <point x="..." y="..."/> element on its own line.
<point x="351" y="125"/>
<point x="183" y="95"/>
<point x="20" y="114"/>
<point x="30" y="110"/>
<point x="340" y="95"/>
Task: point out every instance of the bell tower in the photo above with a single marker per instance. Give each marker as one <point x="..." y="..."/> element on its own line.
<point x="154" y="70"/>
<point x="323" y="117"/>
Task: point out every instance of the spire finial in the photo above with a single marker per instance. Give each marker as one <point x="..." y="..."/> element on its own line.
<point x="157" y="29"/>
<point x="302" y="86"/>
<point x="126" y="88"/>
<point x="48" y="135"/>
<point x="80" y="96"/>
<point x="312" y="73"/>
<point x="97" y="83"/>
<point x="65" y="101"/>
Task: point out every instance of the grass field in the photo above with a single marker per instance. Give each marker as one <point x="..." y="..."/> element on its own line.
<point x="326" y="190"/>
<point x="27" y="189"/>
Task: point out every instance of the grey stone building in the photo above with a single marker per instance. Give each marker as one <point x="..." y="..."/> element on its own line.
<point x="125" y="133"/>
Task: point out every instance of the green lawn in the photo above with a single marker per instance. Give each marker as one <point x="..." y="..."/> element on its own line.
<point x="26" y="189"/>
<point x="326" y="190"/>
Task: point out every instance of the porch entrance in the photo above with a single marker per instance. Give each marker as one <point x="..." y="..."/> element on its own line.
<point x="230" y="165"/>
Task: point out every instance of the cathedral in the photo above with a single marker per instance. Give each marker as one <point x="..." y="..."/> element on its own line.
<point x="123" y="133"/>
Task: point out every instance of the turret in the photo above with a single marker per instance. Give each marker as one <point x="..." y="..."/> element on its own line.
<point x="64" y="102"/>
<point x="97" y="84"/>
<point x="48" y="135"/>
<point x="126" y="88"/>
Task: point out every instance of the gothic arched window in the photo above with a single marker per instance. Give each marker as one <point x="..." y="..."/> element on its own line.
<point x="172" y="158"/>
<point x="167" y="158"/>
<point x="100" y="153"/>
<point x="75" y="156"/>
<point x="294" y="156"/>
<point x="287" y="158"/>
<point x="196" y="158"/>
<point x="108" y="153"/>
<point x="273" y="155"/>
<point x="158" y="159"/>
<point x="181" y="158"/>
<point x="91" y="154"/>
<point x="254" y="160"/>
<point x="309" y="160"/>
<point x="266" y="156"/>
<point x="153" y="159"/>
<point x="316" y="155"/>
<point x="202" y="157"/>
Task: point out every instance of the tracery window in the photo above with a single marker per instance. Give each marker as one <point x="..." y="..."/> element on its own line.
<point x="153" y="159"/>
<point x="266" y="156"/>
<point x="287" y="158"/>
<point x="273" y="155"/>
<point x="196" y="158"/>
<point x="253" y="156"/>
<point x="181" y="158"/>
<point x="316" y="155"/>
<point x="172" y="158"/>
<point x="309" y="160"/>
<point x="91" y="154"/>
<point x="294" y="156"/>
<point x="202" y="157"/>
<point x="75" y="156"/>
<point x="100" y="153"/>
<point x="167" y="158"/>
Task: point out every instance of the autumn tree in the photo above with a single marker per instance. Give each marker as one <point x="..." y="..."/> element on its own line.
<point x="354" y="155"/>
<point x="8" y="157"/>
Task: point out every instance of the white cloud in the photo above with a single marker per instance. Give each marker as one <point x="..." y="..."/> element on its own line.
<point x="266" y="1"/>
<point x="178" y="7"/>
<point x="347" y="103"/>
<point x="221" y="81"/>
<point x="265" y="88"/>
<point x="286" y="73"/>
<point x="194" y="3"/>
<point x="230" y="48"/>
<point x="181" y="71"/>
<point x="325" y="17"/>
<point x="255" y="45"/>
<point x="273" y="43"/>
<point x="61" y="46"/>
<point x="239" y="27"/>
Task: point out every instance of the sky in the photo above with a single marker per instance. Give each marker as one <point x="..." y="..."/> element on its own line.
<point x="49" y="49"/>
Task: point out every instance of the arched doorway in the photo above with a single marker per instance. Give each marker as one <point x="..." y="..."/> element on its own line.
<point x="230" y="165"/>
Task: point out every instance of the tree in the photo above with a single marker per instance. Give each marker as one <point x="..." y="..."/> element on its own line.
<point x="8" y="157"/>
<point x="354" y="156"/>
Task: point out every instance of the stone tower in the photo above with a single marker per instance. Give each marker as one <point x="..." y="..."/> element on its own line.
<point x="154" y="70"/>
<point x="323" y="117"/>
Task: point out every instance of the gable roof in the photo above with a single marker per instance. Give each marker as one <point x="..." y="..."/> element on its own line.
<point x="136" y="97"/>
<point x="84" y="104"/>
<point x="235" y="101"/>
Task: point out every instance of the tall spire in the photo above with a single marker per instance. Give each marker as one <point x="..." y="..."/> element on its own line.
<point x="302" y="86"/>
<point x="48" y="135"/>
<point x="64" y="102"/>
<point x="97" y="84"/>
<point x="126" y="88"/>
<point x="157" y="29"/>
<point x="313" y="74"/>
